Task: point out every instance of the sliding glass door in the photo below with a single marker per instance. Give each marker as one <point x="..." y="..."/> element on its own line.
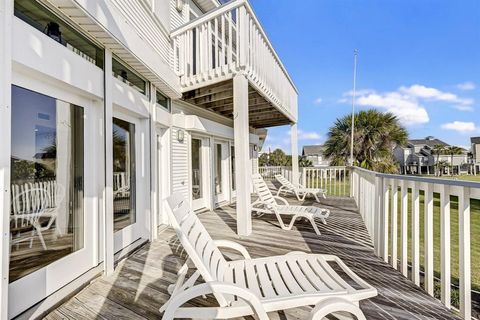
<point x="127" y="150"/>
<point x="48" y="223"/>
<point x="221" y="172"/>
<point x="199" y="172"/>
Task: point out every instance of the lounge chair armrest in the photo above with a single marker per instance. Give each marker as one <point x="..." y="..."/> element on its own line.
<point x="233" y="245"/>
<point x="282" y="200"/>
<point x="215" y="287"/>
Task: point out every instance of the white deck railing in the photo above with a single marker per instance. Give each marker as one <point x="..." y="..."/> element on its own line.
<point x="215" y="46"/>
<point x="335" y="180"/>
<point x="383" y="201"/>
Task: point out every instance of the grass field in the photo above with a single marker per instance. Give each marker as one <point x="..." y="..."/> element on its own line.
<point x="454" y="243"/>
<point x="338" y="188"/>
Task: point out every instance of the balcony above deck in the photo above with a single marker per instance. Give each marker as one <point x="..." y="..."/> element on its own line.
<point x="210" y="50"/>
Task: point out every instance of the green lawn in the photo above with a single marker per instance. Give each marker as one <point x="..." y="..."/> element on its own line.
<point x="454" y="243"/>
<point x="337" y="189"/>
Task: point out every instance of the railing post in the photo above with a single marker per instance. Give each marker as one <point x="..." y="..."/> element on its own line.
<point x="415" y="234"/>
<point x="394" y="220"/>
<point x="404" y="230"/>
<point x="304" y="177"/>
<point x="445" y="245"/>
<point x="464" y="254"/>
<point x="428" y="230"/>
<point x="385" y="213"/>
<point x="378" y="210"/>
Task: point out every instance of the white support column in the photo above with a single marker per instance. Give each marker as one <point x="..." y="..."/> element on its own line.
<point x="153" y="147"/>
<point x="243" y="172"/>
<point x="108" y="251"/>
<point x="294" y="146"/>
<point x="6" y="14"/>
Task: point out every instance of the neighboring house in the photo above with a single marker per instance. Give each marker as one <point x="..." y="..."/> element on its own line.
<point x="133" y="100"/>
<point x="314" y="153"/>
<point x="417" y="157"/>
<point x="475" y="154"/>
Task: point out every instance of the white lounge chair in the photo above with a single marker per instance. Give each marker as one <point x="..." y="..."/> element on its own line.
<point x="267" y="203"/>
<point x="297" y="189"/>
<point x="255" y="286"/>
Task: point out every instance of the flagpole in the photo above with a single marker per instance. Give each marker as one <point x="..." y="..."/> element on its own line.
<point x="355" y="53"/>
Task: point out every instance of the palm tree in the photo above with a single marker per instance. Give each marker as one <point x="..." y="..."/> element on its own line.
<point x="437" y="150"/>
<point x="453" y="150"/>
<point x="376" y="133"/>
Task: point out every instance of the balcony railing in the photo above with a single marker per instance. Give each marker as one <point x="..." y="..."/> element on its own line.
<point x="426" y="228"/>
<point x="215" y="46"/>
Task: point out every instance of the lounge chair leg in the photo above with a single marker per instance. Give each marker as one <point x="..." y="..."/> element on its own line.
<point x="314" y="225"/>
<point x="316" y="198"/>
<point x="332" y="305"/>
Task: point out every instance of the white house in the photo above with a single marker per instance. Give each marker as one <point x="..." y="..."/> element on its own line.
<point x="475" y="154"/>
<point x="314" y="153"/>
<point x="107" y="107"/>
<point x="417" y="157"/>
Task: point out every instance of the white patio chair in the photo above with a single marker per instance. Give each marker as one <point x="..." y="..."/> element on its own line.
<point x="298" y="190"/>
<point x="267" y="203"/>
<point x="255" y="286"/>
<point x="32" y="202"/>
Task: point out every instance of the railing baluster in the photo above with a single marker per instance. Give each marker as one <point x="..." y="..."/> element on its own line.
<point x="445" y="245"/>
<point x="384" y="220"/>
<point x="464" y="255"/>
<point x="415" y="233"/>
<point x="404" y="231"/>
<point x="428" y="238"/>
<point x="394" y="223"/>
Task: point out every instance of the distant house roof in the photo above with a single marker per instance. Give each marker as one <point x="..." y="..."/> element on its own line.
<point x="313" y="150"/>
<point x="429" y="141"/>
<point x="475" y="140"/>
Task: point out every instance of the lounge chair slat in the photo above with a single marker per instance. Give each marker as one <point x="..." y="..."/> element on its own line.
<point x="277" y="280"/>
<point x="265" y="282"/>
<point x="251" y="275"/>
<point x="289" y="280"/>
<point x="317" y="266"/>
<point x="312" y="276"/>
<point x="300" y="276"/>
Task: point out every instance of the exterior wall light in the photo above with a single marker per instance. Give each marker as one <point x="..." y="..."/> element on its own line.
<point x="179" y="5"/>
<point x="180" y="135"/>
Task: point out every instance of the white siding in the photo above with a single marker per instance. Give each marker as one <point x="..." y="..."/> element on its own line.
<point x="148" y="28"/>
<point x="177" y="18"/>
<point x="179" y="164"/>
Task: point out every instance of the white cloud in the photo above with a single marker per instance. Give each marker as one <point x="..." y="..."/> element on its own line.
<point x="460" y="126"/>
<point x="305" y="135"/>
<point x="467" y="85"/>
<point x="464" y="108"/>
<point x="302" y="135"/>
<point x="318" y="101"/>
<point x="428" y="93"/>
<point x="407" y="109"/>
<point x="406" y="102"/>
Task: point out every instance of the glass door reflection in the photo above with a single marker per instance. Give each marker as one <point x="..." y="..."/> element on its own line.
<point x="197" y="189"/>
<point x="123" y="174"/>
<point x="47" y="181"/>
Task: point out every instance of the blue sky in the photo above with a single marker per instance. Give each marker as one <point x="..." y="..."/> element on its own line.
<point x="417" y="59"/>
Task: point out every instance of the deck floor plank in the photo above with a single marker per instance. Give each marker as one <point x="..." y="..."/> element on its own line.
<point x="138" y="287"/>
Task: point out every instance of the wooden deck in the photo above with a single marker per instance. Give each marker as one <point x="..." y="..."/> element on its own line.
<point x="138" y="287"/>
